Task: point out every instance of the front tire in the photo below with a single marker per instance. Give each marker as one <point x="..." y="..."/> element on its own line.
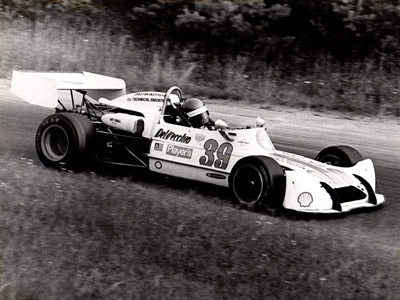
<point x="339" y="156"/>
<point x="64" y="139"/>
<point x="256" y="182"/>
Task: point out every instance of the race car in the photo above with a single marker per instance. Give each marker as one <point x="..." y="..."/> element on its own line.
<point x="169" y="134"/>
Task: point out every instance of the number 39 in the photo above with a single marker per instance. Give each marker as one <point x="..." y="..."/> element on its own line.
<point x="223" y="154"/>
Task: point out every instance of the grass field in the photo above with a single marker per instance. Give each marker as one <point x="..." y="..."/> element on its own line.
<point x="88" y="236"/>
<point x="323" y="85"/>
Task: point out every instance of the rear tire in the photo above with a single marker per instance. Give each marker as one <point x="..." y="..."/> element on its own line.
<point x="64" y="139"/>
<point x="339" y="156"/>
<point x="258" y="181"/>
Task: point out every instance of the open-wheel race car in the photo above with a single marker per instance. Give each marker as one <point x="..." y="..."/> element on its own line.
<point x="168" y="134"/>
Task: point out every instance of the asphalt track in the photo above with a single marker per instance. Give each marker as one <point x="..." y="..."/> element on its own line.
<point x="300" y="132"/>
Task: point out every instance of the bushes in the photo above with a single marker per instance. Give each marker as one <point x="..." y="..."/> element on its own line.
<point x="318" y="55"/>
<point x="354" y="29"/>
<point x="274" y="30"/>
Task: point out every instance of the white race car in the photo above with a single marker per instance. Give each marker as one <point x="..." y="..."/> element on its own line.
<point x="168" y="134"/>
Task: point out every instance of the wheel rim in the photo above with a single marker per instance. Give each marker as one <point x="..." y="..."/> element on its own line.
<point x="332" y="160"/>
<point x="248" y="184"/>
<point x="54" y="143"/>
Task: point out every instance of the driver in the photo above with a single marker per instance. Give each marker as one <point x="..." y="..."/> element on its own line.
<point x="196" y="112"/>
<point x="198" y="116"/>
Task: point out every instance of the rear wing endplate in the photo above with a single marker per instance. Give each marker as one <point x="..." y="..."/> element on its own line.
<point x="42" y="88"/>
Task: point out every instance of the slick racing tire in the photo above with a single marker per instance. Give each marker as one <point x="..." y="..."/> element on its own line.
<point x="64" y="139"/>
<point x="339" y="156"/>
<point x="258" y="181"/>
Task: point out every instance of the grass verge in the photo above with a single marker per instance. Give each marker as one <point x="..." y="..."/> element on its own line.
<point x="86" y="236"/>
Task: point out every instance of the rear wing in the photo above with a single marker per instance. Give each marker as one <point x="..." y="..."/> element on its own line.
<point x="42" y="88"/>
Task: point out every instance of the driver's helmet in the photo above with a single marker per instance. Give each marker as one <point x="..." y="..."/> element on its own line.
<point x="196" y="111"/>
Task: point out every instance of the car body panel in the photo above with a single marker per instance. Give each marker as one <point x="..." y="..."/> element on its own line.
<point x="215" y="151"/>
<point x="201" y="154"/>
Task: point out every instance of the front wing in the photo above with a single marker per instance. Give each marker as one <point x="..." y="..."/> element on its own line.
<point x="306" y="193"/>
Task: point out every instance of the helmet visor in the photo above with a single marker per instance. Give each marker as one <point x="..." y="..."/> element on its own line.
<point x="196" y="112"/>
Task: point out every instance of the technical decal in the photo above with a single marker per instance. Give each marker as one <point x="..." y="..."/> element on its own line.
<point x="147" y="97"/>
<point x="172" y="136"/>
<point x="150" y="94"/>
<point x="158" y="146"/>
<point x="200" y="137"/>
<point x="223" y="154"/>
<point x="216" y="176"/>
<point x="179" y="151"/>
<point x="158" y="164"/>
<point x="305" y="199"/>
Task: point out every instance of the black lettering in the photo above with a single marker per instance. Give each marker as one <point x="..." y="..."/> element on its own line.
<point x="172" y="136"/>
<point x="159" y="133"/>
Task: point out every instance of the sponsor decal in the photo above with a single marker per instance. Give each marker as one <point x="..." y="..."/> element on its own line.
<point x="172" y="136"/>
<point x="114" y="120"/>
<point x="158" y="165"/>
<point x="216" y="176"/>
<point x="305" y="199"/>
<point x="158" y="146"/>
<point x="200" y="137"/>
<point x="179" y="151"/>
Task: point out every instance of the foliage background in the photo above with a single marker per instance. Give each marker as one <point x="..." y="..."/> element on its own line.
<point x="337" y="55"/>
<point x="347" y="29"/>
